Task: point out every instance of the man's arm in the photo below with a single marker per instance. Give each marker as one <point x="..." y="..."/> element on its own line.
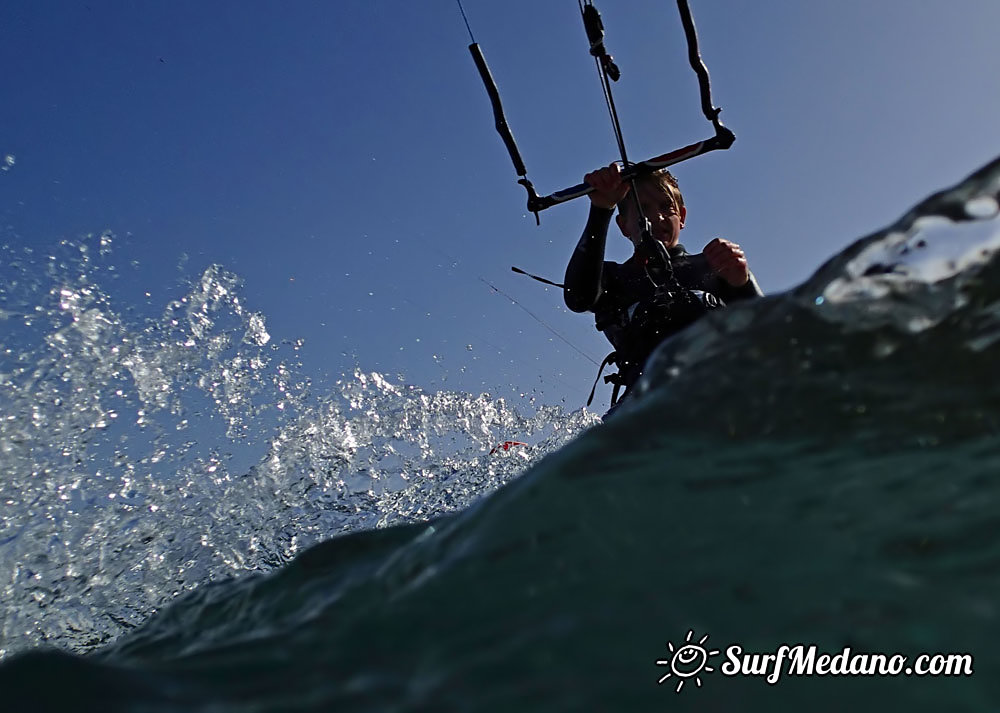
<point x="583" y="274"/>
<point x="747" y="291"/>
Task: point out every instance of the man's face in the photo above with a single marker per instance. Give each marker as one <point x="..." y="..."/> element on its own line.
<point x="665" y="217"/>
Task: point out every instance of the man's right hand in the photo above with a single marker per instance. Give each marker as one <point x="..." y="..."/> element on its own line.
<point x="609" y="189"/>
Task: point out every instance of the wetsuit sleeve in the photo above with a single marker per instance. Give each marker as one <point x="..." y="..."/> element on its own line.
<point x="583" y="274"/>
<point x="744" y="292"/>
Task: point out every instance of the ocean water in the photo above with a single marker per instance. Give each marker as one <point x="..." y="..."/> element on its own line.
<point x="818" y="468"/>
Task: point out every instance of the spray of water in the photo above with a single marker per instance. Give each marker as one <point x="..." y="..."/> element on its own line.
<point x="117" y="435"/>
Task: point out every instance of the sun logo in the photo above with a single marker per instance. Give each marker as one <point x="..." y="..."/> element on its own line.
<point x="687" y="661"/>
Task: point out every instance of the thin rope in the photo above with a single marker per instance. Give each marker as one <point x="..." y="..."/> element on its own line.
<point x="539" y="320"/>
<point x="462" y="9"/>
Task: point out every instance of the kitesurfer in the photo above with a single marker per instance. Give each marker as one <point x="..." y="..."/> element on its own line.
<point x="632" y="311"/>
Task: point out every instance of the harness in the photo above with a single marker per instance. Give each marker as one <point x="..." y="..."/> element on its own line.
<point x="636" y="330"/>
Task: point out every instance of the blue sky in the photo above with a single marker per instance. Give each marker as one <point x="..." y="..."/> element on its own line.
<point x="340" y="156"/>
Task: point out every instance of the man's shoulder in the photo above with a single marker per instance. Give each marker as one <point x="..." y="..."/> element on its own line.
<point x="680" y="253"/>
<point x="697" y="260"/>
<point x="622" y="272"/>
<point x="629" y="265"/>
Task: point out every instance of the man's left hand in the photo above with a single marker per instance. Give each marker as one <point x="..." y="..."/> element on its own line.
<point x="726" y="259"/>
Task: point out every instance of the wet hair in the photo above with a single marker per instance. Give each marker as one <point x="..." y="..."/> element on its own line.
<point x="665" y="179"/>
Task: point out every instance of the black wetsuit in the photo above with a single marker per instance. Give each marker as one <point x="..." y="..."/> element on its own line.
<point x="627" y="306"/>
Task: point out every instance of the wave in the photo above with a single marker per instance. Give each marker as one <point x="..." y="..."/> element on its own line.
<point x="816" y="467"/>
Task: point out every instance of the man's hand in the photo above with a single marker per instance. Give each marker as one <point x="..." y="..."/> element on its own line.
<point x="608" y="186"/>
<point x="726" y="259"/>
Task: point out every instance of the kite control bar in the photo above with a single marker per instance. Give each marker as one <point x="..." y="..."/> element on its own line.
<point x="723" y="138"/>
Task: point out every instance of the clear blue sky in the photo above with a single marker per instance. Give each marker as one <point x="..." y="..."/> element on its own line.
<point x="341" y="158"/>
